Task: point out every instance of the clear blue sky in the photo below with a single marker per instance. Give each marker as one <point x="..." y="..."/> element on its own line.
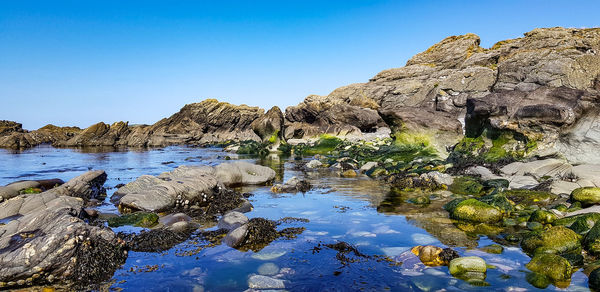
<point x="80" y="62"/>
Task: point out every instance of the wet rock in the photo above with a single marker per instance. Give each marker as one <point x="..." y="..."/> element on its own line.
<point x="265" y="282"/>
<point x="475" y="211"/>
<point x="591" y="241"/>
<point x="493" y="249"/>
<point x="542" y="216"/>
<point x="293" y="185"/>
<point x="232" y="220"/>
<point x="462" y="266"/>
<point x="50" y="237"/>
<point x="140" y="219"/>
<point x="268" y="269"/>
<point x="554" y="267"/>
<point x="528" y="197"/>
<point x="466" y="186"/>
<point x="236" y="237"/>
<point x="349" y="173"/>
<point x="594" y="280"/>
<point x="314" y="164"/>
<point x="434" y="256"/>
<point x="556" y="240"/>
<point x="587" y="196"/>
<point x="439" y="178"/>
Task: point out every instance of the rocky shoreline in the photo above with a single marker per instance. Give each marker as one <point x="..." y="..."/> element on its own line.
<point x="505" y="139"/>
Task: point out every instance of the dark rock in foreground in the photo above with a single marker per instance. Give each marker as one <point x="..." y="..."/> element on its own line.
<point x="46" y="241"/>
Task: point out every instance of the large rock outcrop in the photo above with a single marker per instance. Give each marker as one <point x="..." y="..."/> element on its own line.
<point x="45" y="241"/>
<point x="19" y="138"/>
<point x="189" y="186"/>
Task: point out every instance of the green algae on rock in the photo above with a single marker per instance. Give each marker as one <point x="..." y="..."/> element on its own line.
<point x="529" y="197"/>
<point x="475" y="211"/>
<point x="556" y="268"/>
<point x="556" y="240"/>
<point x="465" y="185"/>
<point x="542" y="216"/>
<point x="587" y="196"/>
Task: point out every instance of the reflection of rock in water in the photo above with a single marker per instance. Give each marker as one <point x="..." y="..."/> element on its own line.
<point x="275" y="163"/>
<point x="432" y="217"/>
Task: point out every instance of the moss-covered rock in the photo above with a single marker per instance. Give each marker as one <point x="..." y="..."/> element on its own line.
<point x="140" y="219"/>
<point x="465" y="185"/>
<point x="475" y="211"/>
<point x="579" y="223"/>
<point x="528" y="197"/>
<point x="594" y="280"/>
<point x="587" y="196"/>
<point x="499" y="201"/>
<point x="556" y="240"/>
<point x="554" y="267"/>
<point x="493" y="249"/>
<point x="542" y="216"/>
<point x="591" y="242"/>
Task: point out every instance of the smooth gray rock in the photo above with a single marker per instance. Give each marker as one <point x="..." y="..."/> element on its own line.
<point x="367" y="166"/>
<point x="243" y="173"/>
<point x="235" y="237"/>
<point x="232" y="220"/>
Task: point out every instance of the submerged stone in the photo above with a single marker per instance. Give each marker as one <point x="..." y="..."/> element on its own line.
<point x="555" y="267"/>
<point x="463" y="266"/>
<point x="493" y="249"/>
<point x="556" y="240"/>
<point x="140" y="219"/>
<point x="594" y="280"/>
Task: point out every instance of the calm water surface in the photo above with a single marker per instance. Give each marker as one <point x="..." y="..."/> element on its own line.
<point x="339" y="209"/>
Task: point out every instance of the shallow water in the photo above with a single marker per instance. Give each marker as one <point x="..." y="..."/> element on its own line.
<point x="339" y="209"/>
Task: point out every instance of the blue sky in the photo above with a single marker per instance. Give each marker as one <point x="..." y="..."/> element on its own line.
<point x="80" y="62"/>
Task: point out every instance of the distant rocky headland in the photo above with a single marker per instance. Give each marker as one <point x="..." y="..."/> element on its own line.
<point x="539" y="93"/>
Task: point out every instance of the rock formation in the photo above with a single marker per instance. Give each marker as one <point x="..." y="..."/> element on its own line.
<point x="46" y="240"/>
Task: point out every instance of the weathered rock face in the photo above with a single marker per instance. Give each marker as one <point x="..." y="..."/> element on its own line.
<point x="8" y="127"/>
<point x="20" y="139"/>
<point x="325" y="115"/>
<point x="206" y="122"/>
<point x="99" y="134"/>
<point x="46" y="241"/>
<point x="269" y="125"/>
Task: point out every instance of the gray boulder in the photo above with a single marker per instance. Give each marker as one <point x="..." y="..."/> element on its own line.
<point x="47" y="242"/>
